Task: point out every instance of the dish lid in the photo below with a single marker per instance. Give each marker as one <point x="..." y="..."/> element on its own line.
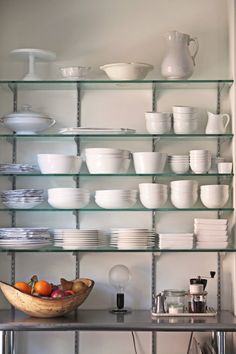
<point x="26" y="112"/>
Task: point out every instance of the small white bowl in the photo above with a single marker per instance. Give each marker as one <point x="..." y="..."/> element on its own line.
<point x="214" y="196"/>
<point x="149" y="162"/>
<point x="126" y="71"/>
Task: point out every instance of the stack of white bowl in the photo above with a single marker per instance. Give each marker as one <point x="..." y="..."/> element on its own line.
<point x="184" y="193"/>
<point x="153" y="195"/>
<point x="132" y="238"/>
<point x="200" y="161"/>
<point x="179" y="163"/>
<point x="116" y="198"/>
<point x="211" y="233"/>
<point x="158" y="122"/>
<point x="59" y="163"/>
<point x="185" y="119"/>
<point x="75" y="239"/>
<point x="176" y="241"/>
<point x="107" y="160"/>
<point x="149" y="162"/>
<point x="214" y="195"/>
<point x="68" y="198"/>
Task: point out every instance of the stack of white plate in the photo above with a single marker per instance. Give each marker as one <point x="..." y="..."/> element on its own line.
<point x="200" y="161"/>
<point x="24" y="238"/>
<point x="211" y="233"/>
<point x="132" y="238"/>
<point x="116" y="198"/>
<point x="176" y="240"/>
<point x="179" y="163"/>
<point x="75" y="238"/>
<point x="22" y="198"/>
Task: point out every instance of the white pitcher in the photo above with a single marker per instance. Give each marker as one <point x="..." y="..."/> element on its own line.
<point x="179" y="63"/>
<point x="217" y="123"/>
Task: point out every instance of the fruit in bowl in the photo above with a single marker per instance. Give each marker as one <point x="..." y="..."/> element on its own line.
<point x="39" y="298"/>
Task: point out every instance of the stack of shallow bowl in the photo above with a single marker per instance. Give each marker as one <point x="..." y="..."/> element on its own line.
<point x="22" y="198"/>
<point x="179" y="163"/>
<point x="68" y="198"/>
<point x="200" y="161"/>
<point x="185" y="119"/>
<point x="153" y="195"/>
<point x="184" y="194"/>
<point x="116" y="198"/>
<point x="214" y="195"/>
<point x="75" y="239"/>
<point x="107" y="160"/>
<point x="24" y="238"/>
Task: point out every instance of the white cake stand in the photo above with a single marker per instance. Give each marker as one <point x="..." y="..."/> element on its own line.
<point x="32" y="55"/>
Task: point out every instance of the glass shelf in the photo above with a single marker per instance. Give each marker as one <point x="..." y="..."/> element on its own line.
<point x="97" y="209"/>
<point x="128" y="174"/>
<point x="115" y="249"/>
<point x="114" y="84"/>
<point x="119" y="136"/>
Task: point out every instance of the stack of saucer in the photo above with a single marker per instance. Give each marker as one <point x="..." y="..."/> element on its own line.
<point x="75" y="239"/>
<point x="24" y="238"/>
<point x="176" y="241"/>
<point x="132" y="238"/>
<point x="211" y="233"/>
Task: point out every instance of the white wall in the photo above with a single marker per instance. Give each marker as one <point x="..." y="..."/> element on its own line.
<point x="94" y="33"/>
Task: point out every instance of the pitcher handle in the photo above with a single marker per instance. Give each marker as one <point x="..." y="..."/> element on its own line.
<point x="196" y="48"/>
<point x="227" y="119"/>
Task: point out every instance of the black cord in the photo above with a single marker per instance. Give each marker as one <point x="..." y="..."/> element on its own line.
<point x="190" y="342"/>
<point x="134" y="343"/>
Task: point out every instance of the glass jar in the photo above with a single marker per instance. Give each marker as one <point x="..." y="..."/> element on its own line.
<point x="174" y="299"/>
<point x="197" y="303"/>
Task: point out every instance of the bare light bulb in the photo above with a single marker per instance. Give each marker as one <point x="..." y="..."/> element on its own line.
<point x="119" y="277"/>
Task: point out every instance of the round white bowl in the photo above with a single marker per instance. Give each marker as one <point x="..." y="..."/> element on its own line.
<point x="154" y="200"/>
<point x="179" y="167"/>
<point x="183" y="200"/>
<point x="27" y="125"/>
<point x="116" y="193"/>
<point x="214" y="196"/>
<point x="184" y="185"/>
<point x="126" y="71"/>
<point x="59" y="163"/>
<point x="152" y="187"/>
<point x="117" y="202"/>
<point x="108" y="151"/>
<point x="149" y="162"/>
<point x="61" y="203"/>
<point x="158" y="122"/>
<point x="107" y="164"/>
<point x="185" y="127"/>
<point x="67" y="192"/>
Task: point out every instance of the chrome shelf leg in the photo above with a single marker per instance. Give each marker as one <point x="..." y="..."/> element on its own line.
<point x="220" y="339"/>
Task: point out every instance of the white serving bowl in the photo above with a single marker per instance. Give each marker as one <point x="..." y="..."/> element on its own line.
<point x="107" y="164"/>
<point x="149" y="162"/>
<point x="27" y="125"/>
<point x="75" y="72"/>
<point x="59" y="163"/>
<point x="214" y="196"/>
<point x="183" y="200"/>
<point x="126" y="71"/>
<point x="62" y="203"/>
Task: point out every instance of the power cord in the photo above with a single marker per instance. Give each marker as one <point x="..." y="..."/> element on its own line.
<point x="134" y="343"/>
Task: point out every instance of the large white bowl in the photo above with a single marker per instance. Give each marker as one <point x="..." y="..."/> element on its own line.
<point x="62" y="203"/>
<point x="59" y="163"/>
<point x="107" y="151"/>
<point x="126" y="71"/>
<point x="107" y="164"/>
<point x="27" y="125"/>
<point x="153" y="200"/>
<point x="184" y="185"/>
<point x="149" y="162"/>
<point x="214" y="196"/>
<point x="183" y="200"/>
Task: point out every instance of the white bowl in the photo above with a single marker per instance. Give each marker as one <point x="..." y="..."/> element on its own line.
<point x="152" y="187"/>
<point x="108" y="193"/>
<point x="126" y="71"/>
<point x="179" y="167"/>
<point x="112" y="151"/>
<point x="149" y="162"/>
<point x="67" y="192"/>
<point x="183" y="200"/>
<point x="27" y="125"/>
<point x="158" y="122"/>
<point x="185" y="127"/>
<point x="58" y="163"/>
<point x="154" y="200"/>
<point x="75" y="72"/>
<point x="184" y="185"/>
<point x="117" y="202"/>
<point x="214" y="196"/>
<point x="61" y="203"/>
<point x="107" y="164"/>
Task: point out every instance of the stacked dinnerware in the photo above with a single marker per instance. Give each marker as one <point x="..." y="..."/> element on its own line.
<point x="179" y="163"/>
<point x="214" y="195"/>
<point x="17" y="168"/>
<point x="149" y="162"/>
<point x="211" y="233"/>
<point x="22" y="198"/>
<point x="75" y="238"/>
<point x="184" y="193"/>
<point x="158" y="122"/>
<point x="68" y="198"/>
<point x="175" y="240"/>
<point x="132" y="238"/>
<point x="107" y="160"/>
<point x="59" y="163"/>
<point x="200" y="161"/>
<point x="24" y="238"/>
<point x="153" y="195"/>
<point x="185" y="119"/>
<point x="116" y="198"/>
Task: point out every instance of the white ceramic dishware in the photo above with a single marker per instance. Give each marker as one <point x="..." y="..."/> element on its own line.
<point x="59" y="163"/>
<point x="153" y="195"/>
<point x="149" y="162"/>
<point x="184" y="193"/>
<point x="215" y="195"/>
<point x="68" y="198"/>
<point x="126" y="71"/>
<point x="75" y="72"/>
<point x="185" y="119"/>
<point x="217" y="123"/>
<point x="224" y="167"/>
<point x="200" y="161"/>
<point x="158" y="122"/>
<point x="179" y="163"/>
<point x="116" y="199"/>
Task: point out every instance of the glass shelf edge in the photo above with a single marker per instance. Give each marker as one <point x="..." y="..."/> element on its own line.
<point x="87" y="174"/>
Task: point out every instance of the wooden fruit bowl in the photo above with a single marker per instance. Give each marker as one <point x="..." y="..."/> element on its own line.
<point x="45" y="307"/>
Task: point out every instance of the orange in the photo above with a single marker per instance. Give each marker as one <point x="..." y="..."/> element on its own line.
<point x="42" y="287"/>
<point x="22" y="286"/>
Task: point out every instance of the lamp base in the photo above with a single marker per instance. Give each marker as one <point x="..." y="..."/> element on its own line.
<point x="117" y="311"/>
